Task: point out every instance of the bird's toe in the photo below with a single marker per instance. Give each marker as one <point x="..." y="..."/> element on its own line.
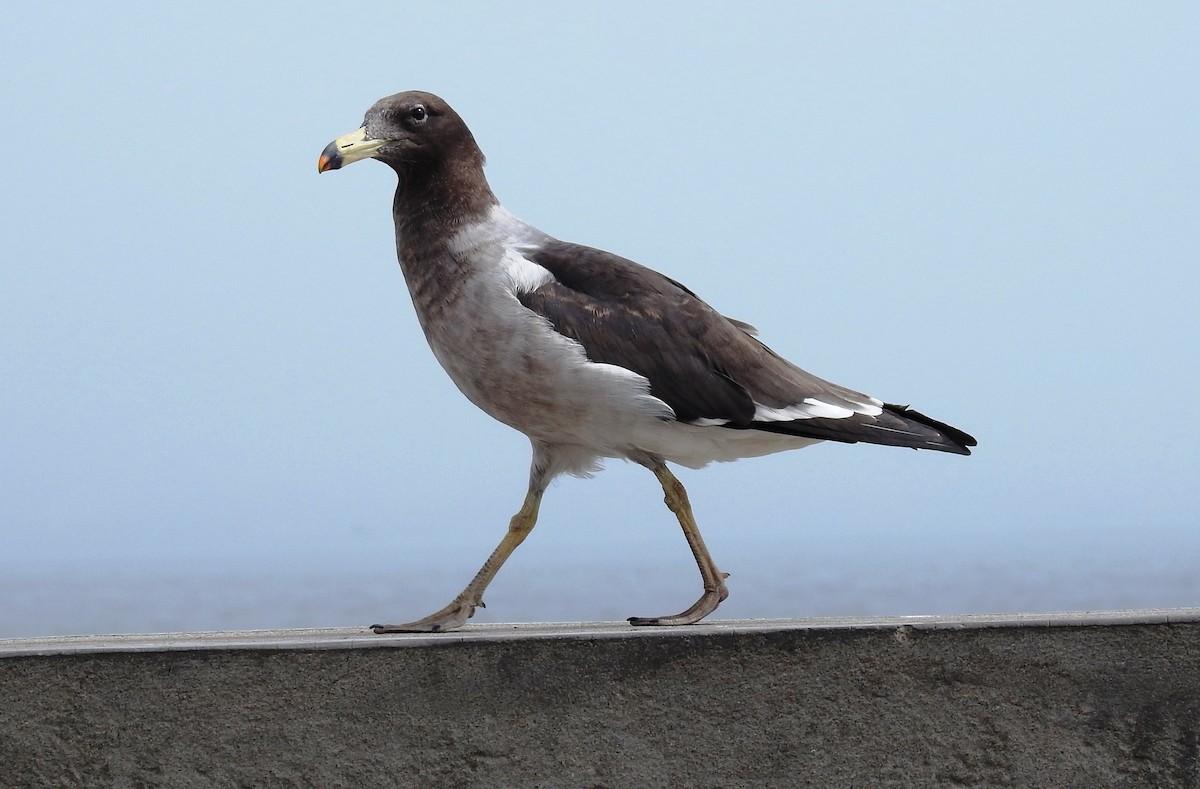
<point x="451" y="617"/>
<point x="707" y="603"/>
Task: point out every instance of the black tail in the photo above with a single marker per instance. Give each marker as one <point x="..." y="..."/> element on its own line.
<point x="897" y="426"/>
<point x="944" y="438"/>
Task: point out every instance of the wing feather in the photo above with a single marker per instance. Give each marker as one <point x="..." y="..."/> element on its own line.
<point x="708" y="369"/>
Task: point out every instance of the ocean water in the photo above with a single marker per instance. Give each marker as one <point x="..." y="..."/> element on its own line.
<point x="327" y="589"/>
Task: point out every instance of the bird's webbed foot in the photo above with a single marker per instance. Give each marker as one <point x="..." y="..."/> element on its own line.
<point x="707" y="603"/>
<point x="451" y="617"/>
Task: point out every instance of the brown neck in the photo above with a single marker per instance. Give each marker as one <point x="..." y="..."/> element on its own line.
<point x="429" y="208"/>
<point x="432" y="203"/>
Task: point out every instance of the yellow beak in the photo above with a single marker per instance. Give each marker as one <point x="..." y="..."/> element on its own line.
<point x="347" y="149"/>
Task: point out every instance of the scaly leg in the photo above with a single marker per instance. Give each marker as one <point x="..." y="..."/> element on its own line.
<point x="714" y="579"/>
<point x="463" y="607"/>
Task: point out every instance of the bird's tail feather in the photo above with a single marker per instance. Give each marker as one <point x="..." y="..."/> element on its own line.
<point x="897" y="426"/>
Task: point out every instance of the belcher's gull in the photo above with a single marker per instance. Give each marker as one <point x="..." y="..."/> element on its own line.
<point x="588" y="354"/>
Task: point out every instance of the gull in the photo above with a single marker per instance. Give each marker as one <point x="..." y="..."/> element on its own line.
<point x="590" y="355"/>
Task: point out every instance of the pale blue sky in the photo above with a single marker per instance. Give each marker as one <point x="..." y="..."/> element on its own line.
<point x="989" y="211"/>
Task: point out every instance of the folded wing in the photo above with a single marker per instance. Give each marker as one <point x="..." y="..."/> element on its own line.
<point x="709" y="369"/>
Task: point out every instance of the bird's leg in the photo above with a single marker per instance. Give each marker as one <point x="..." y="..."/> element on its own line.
<point x="462" y="608"/>
<point x="714" y="580"/>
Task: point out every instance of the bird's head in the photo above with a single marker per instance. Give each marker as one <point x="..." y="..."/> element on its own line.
<point x="408" y="131"/>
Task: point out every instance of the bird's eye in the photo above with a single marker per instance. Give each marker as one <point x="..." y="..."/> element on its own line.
<point x="417" y="114"/>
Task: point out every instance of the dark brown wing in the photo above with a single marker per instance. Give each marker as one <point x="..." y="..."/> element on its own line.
<point x="704" y="366"/>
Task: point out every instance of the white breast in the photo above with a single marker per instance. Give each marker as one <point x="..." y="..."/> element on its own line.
<point x="511" y="363"/>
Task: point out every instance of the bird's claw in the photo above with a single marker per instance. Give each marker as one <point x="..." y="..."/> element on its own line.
<point x="707" y="603"/>
<point x="451" y="617"/>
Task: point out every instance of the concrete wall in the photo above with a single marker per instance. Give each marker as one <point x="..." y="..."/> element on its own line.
<point x="1111" y="700"/>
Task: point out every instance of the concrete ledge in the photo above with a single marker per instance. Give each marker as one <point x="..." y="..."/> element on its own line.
<point x="361" y="638"/>
<point x="1108" y="699"/>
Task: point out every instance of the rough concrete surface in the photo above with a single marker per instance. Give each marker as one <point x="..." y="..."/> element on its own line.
<point x="891" y="704"/>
